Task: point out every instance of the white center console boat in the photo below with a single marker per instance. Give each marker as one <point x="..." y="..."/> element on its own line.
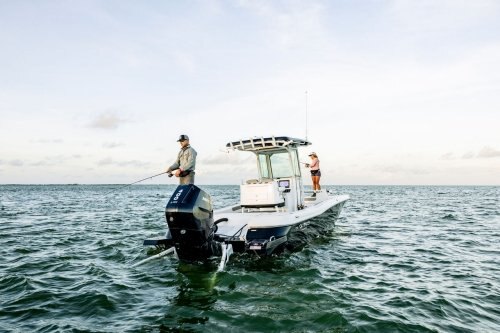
<point x="269" y="208"/>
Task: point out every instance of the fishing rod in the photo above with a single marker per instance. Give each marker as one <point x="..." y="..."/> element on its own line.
<point x="164" y="172"/>
<point x="283" y="159"/>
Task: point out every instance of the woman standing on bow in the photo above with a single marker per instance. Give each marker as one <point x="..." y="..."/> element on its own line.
<point x="315" y="172"/>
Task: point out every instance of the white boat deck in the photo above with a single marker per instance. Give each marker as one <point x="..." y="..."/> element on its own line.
<point x="248" y="218"/>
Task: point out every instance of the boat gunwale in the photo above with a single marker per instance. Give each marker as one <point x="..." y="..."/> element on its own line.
<point x="279" y="218"/>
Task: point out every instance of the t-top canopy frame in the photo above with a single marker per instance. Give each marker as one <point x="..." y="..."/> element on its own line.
<point x="266" y="143"/>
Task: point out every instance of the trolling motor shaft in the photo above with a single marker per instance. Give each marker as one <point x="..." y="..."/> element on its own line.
<point x="189" y="215"/>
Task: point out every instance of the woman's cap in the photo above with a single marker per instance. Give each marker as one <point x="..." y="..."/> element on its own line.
<point x="313" y="153"/>
<point x="183" y="137"/>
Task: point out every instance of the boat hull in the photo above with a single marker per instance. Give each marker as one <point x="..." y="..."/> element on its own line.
<point x="266" y="232"/>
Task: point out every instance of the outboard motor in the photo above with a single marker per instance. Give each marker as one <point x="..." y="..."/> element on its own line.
<point x="190" y="221"/>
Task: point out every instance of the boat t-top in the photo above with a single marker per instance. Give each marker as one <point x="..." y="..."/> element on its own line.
<point x="269" y="209"/>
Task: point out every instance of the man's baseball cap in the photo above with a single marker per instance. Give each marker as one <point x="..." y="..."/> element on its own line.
<point x="183" y="137"/>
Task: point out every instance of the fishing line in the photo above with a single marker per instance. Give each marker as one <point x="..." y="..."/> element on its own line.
<point x="115" y="189"/>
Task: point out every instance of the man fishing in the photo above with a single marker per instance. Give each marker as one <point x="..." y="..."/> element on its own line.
<point x="185" y="164"/>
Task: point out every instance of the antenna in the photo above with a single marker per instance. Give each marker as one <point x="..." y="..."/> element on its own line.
<point x="306" y="115"/>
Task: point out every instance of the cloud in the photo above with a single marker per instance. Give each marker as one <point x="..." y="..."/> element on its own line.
<point x="468" y="155"/>
<point x="54" y="160"/>
<point x="45" y="141"/>
<point x="133" y="163"/>
<point x="111" y="145"/>
<point x="485" y="152"/>
<point x="291" y="24"/>
<point x="488" y="152"/>
<point x="447" y="156"/>
<point x="14" y="163"/>
<point x="448" y="14"/>
<point x="45" y="163"/>
<point x="107" y="120"/>
<point x="398" y="170"/>
<point x="225" y="159"/>
<point x="48" y="161"/>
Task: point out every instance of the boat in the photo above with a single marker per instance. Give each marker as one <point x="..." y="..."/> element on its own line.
<point x="270" y="208"/>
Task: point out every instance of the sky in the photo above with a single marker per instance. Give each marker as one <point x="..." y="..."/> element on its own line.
<point x="389" y="92"/>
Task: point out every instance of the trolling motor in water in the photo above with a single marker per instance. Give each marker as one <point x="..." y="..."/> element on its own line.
<point x="191" y="227"/>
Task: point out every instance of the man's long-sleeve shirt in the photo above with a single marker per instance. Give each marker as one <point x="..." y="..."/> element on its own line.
<point x="186" y="160"/>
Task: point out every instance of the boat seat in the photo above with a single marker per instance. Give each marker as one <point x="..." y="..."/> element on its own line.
<point x="262" y="181"/>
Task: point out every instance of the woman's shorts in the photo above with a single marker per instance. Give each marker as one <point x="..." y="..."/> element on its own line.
<point x="316" y="173"/>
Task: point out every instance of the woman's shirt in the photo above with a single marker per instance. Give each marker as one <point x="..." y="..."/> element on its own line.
<point x="314" y="164"/>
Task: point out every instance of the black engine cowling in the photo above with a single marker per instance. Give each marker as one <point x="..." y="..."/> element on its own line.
<point x="189" y="215"/>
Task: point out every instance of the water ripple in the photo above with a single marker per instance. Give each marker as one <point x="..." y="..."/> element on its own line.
<point x="399" y="259"/>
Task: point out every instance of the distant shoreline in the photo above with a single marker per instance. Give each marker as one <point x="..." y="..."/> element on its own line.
<point x="329" y="185"/>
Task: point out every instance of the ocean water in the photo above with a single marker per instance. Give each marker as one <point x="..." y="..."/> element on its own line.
<point x="398" y="259"/>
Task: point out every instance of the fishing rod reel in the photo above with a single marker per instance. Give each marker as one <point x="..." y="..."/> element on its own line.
<point x="191" y="227"/>
<point x="181" y="174"/>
